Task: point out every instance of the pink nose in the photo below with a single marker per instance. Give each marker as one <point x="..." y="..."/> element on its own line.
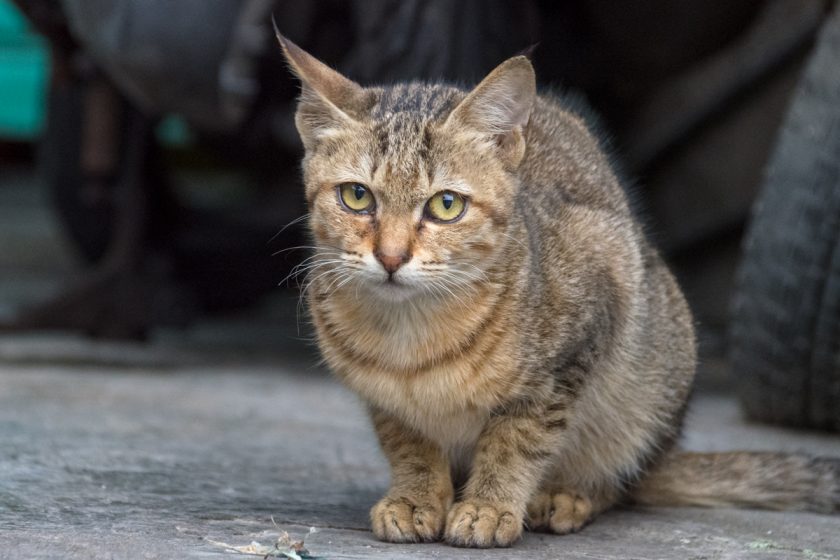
<point x="392" y="263"/>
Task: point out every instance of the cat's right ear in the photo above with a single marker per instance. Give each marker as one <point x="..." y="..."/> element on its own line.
<point x="328" y="100"/>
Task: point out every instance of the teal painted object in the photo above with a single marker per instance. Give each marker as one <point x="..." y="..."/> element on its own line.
<point x="24" y="71"/>
<point x="24" y="79"/>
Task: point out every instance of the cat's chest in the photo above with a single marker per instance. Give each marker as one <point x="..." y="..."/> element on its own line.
<point x="441" y="374"/>
<point x="431" y="403"/>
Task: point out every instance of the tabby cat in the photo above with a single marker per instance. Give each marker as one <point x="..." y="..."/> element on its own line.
<point x="479" y="280"/>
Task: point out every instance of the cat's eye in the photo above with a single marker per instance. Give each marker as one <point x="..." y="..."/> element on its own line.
<point x="446" y="206"/>
<point x="356" y="197"/>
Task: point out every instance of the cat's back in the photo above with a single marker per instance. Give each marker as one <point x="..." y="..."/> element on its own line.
<point x="565" y="163"/>
<point x="575" y="210"/>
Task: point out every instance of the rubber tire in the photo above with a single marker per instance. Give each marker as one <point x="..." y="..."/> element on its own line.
<point x="785" y="330"/>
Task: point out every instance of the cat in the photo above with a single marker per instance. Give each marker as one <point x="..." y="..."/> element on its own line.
<point x="480" y="281"/>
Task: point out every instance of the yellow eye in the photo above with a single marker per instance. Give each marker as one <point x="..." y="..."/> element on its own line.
<point x="356" y="197"/>
<point x="446" y="206"/>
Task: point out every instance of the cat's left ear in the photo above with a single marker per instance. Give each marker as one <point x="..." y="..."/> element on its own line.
<point x="500" y="107"/>
<point x="328" y="100"/>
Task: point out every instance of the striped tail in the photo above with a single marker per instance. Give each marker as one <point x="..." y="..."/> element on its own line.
<point x="761" y="480"/>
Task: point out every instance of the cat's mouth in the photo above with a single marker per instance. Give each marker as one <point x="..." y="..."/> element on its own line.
<point x="393" y="283"/>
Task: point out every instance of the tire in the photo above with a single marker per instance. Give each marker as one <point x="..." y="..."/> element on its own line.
<point x="785" y="330"/>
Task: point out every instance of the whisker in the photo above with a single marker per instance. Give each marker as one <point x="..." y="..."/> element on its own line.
<point x="321" y="247"/>
<point x="305" y="269"/>
<point x="442" y="284"/>
<point x="468" y="275"/>
<point x="296" y="248"/>
<point x="478" y="276"/>
<point x="307" y="282"/>
<point x="437" y="293"/>
<point x="348" y="279"/>
<point x="339" y="276"/>
<point x="461" y="287"/>
<point x="284" y="228"/>
<point x="512" y="238"/>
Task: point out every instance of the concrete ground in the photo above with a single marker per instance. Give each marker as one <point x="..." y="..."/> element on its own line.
<point x="105" y="462"/>
<point x="228" y="432"/>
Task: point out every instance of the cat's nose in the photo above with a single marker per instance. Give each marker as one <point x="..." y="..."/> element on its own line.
<point x="392" y="262"/>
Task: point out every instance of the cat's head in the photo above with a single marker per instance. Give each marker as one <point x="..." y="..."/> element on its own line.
<point x="411" y="187"/>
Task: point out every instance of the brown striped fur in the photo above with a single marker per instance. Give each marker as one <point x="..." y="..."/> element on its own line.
<point x="529" y="363"/>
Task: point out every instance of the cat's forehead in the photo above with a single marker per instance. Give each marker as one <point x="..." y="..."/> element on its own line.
<point x="401" y="117"/>
<point x="415" y="100"/>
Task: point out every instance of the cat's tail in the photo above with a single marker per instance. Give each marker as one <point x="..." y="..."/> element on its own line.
<point x="743" y="479"/>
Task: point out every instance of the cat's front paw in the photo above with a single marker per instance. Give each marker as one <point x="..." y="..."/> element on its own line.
<point x="482" y="525"/>
<point x="560" y="512"/>
<point x="405" y="520"/>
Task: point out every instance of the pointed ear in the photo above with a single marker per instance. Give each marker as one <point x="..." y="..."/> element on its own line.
<point x="328" y="100"/>
<point x="500" y="106"/>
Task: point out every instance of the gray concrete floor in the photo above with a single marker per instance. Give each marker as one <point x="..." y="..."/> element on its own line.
<point x="121" y="450"/>
<point x="104" y="462"/>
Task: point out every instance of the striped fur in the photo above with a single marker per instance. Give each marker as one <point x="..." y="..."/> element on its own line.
<point x="529" y="363"/>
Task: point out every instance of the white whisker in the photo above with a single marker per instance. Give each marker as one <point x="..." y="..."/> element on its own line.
<point x="287" y="226"/>
<point x="512" y="238"/>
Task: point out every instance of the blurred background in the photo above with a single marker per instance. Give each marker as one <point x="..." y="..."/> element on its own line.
<point x="149" y="183"/>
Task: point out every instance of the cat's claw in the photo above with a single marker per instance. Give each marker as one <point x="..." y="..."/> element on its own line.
<point x="561" y="513"/>
<point x="482" y="525"/>
<point x="403" y="520"/>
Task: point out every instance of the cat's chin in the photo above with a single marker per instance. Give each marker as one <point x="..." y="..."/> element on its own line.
<point x="395" y="291"/>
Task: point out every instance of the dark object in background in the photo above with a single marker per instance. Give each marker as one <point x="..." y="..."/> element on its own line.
<point x="786" y="313"/>
<point x="155" y="258"/>
<point x="692" y="93"/>
<point x="215" y="64"/>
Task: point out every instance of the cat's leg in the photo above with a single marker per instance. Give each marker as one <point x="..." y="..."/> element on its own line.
<point x="414" y="509"/>
<point x="563" y="510"/>
<point x="511" y="455"/>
